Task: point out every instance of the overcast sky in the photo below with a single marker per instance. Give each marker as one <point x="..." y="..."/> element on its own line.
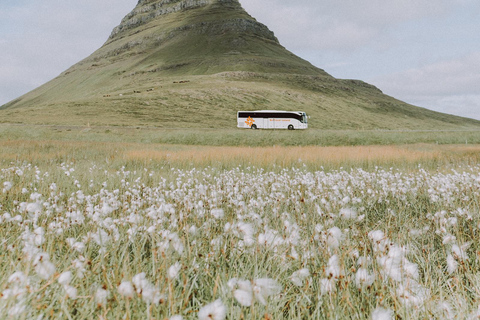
<point x="423" y="52"/>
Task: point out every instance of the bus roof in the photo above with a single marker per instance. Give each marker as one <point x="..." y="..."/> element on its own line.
<point x="274" y="111"/>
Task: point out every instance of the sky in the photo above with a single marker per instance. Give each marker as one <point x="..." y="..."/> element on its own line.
<point x="426" y="53"/>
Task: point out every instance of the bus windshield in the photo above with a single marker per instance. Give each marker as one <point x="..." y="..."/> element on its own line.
<point x="304" y="118"/>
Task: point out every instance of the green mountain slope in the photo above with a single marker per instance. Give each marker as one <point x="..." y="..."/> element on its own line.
<point x="194" y="63"/>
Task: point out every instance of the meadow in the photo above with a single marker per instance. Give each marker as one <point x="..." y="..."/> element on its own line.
<point x="112" y="229"/>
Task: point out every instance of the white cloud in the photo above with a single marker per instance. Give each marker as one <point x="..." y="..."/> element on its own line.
<point x="450" y="86"/>
<point x="456" y="76"/>
<point x="49" y="36"/>
<point x="340" y="25"/>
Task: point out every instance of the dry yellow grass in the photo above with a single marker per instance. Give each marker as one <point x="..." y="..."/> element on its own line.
<point x="202" y="156"/>
<point x="285" y="156"/>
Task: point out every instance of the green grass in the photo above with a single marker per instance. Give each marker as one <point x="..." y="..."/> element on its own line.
<point x="237" y="137"/>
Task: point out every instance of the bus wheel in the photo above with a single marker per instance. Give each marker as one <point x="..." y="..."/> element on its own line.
<point x="254" y="126"/>
<point x="290" y="127"/>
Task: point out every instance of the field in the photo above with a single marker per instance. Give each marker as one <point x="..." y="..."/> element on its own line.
<point x="120" y="224"/>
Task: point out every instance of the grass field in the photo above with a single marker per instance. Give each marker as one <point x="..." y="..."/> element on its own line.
<point x="116" y="223"/>
<point x="237" y="137"/>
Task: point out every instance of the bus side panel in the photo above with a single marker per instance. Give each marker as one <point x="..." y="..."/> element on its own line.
<point x="241" y="123"/>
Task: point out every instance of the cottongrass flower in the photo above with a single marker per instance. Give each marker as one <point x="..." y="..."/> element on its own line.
<point x="379" y="240"/>
<point x="452" y="264"/>
<point x="265" y="287"/>
<point x="213" y="311"/>
<point x="382" y="314"/>
<point x="79" y="265"/>
<point x="348" y="214"/>
<point x="174" y="271"/>
<point x="363" y="279"/>
<point x="149" y="292"/>
<point x="71" y="292"/>
<point x="460" y="252"/>
<point x="34" y="207"/>
<point x="65" y="278"/>
<point x="126" y="289"/>
<point x="44" y="268"/>
<point x="39" y="238"/>
<point x="17" y="310"/>
<point x="334" y="238"/>
<point x="7" y="185"/>
<point x="217" y="213"/>
<point x="140" y="282"/>
<point x="18" y="278"/>
<point x="299" y="276"/>
<point x="444" y="310"/>
<point x="334" y="269"/>
<point x="176" y="317"/>
<point x="412" y="294"/>
<point x="244" y="293"/>
<point x="101" y="296"/>
<point x="327" y="286"/>
<point x="18" y="286"/>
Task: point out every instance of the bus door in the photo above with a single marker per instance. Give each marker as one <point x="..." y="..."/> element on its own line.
<point x="271" y="123"/>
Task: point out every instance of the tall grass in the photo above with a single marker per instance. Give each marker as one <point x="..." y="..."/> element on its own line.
<point x="411" y="235"/>
<point x="336" y="232"/>
<point x="116" y="154"/>
<point x="237" y="137"/>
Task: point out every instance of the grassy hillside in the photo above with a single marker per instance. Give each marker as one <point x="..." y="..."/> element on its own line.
<point x="212" y="102"/>
<point x="196" y="68"/>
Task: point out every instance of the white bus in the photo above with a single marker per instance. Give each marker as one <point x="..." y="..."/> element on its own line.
<point x="272" y="119"/>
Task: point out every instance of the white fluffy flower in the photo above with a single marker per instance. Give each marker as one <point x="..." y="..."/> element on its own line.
<point x="334" y="269"/>
<point x="7" y="185"/>
<point x="265" y="287"/>
<point x="17" y="310"/>
<point x="363" y="278"/>
<point x="34" y="207"/>
<point x="71" y="292"/>
<point x="244" y="293"/>
<point x="460" y="252"/>
<point x="213" y="311"/>
<point x="244" y="297"/>
<point x="18" y="278"/>
<point x="327" y="286"/>
<point x="101" y="296"/>
<point x="174" y="271"/>
<point x="44" y="268"/>
<point x="126" y="289"/>
<point x="65" y="278"/>
<point x="382" y="314"/>
<point x="452" y="264"/>
<point x="140" y="282"/>
<point x="101" y="237"/>
<point x="299" y="276"/>
<point x="151" y="294"/>
<point x="217" y="213"/>
<point x="79" y="246"/>
<point x="379" y="240"/>
<point x="444" y="310"/>
<point x="334" y="238"/>
<point x="348" y="214"/>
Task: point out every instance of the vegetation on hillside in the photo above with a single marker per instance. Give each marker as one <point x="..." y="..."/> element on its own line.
<point x="196" y="68"/>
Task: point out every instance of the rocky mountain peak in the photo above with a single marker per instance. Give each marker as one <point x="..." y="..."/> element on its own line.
<point x="148" y="10"/>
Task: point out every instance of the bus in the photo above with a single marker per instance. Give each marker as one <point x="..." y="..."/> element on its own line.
<point x="272" y="119"/>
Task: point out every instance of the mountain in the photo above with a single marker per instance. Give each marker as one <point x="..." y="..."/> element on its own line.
<point x="195" y="63"/>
